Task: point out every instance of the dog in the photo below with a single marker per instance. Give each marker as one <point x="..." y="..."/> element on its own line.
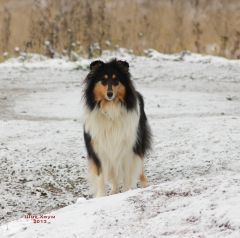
<point x="116" y="131"/>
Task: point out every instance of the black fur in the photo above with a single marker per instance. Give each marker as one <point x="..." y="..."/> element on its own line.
<point x="117" y="67"/>
<point x="96" y="63"/>
<point x="91" y="153"/>
<point x="143" y="142"/>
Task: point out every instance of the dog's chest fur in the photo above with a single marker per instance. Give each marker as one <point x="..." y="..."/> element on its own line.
<point x="113" y="130"/>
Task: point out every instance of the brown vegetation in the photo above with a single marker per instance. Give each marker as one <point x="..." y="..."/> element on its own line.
<point x="87" y="27"/>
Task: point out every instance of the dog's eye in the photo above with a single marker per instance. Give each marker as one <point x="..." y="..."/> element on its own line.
<point x="115" y="82"/>
<point x="104" y="82"/>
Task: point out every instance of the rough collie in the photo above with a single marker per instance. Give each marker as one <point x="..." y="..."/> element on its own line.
<point x="116" y="132"/>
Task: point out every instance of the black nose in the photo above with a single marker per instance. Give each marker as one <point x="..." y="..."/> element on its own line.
<point x="110" y="94"/>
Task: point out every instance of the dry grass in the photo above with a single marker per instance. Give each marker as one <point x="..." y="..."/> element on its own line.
<point x="88" y="27"/>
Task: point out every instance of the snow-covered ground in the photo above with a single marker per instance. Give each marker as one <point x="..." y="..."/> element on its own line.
<point x="193" y="105"/>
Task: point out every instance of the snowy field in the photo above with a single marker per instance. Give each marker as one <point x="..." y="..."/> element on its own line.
<point x="193" y="105"/>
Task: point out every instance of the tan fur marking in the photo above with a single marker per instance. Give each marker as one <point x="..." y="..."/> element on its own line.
<point x="106" y="76"/>
<point x="113" y="76"/>
<point x="99" y="91"/>
<point x="93" y="169"/>
<point x="143" y="179"/>
<point x="120" y="91"/>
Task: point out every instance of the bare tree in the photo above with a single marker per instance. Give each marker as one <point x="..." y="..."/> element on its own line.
<point x="6" y="29"/>
<point x="197" y="32"/>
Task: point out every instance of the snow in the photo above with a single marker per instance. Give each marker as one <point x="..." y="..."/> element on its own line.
<point x="202" y="207"/>
<point x="192" y="102"/>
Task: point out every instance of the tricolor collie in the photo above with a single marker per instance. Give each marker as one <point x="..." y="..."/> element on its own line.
<point x="116" y="132"/>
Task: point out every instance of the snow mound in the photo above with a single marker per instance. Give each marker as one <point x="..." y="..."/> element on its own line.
<point x="204" y="207"/>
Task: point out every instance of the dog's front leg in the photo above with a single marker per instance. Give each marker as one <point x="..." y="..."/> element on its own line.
<point x="115" y="185"/>
<point x="100" y="186"/>
<point x="132" y="172"/>
<point x="127" y="181"/>
<point x="115" y="188"/>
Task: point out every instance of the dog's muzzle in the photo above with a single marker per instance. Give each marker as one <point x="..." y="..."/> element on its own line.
<point x="110" y="95"/>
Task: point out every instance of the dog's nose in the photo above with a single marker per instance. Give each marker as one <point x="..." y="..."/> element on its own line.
<point x="109" y="94"/>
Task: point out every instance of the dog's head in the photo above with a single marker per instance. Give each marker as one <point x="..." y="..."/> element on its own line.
<point x="108" y="83"/>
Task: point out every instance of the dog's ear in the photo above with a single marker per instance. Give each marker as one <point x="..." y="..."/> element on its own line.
<point x="96" y="64"/>
<point x="123" y="64"/>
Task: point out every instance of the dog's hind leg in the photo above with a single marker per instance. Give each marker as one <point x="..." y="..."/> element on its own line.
<point x="143" y="178"/>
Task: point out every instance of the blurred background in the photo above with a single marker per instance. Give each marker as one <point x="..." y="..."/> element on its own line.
<point x="81" y="27"/>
